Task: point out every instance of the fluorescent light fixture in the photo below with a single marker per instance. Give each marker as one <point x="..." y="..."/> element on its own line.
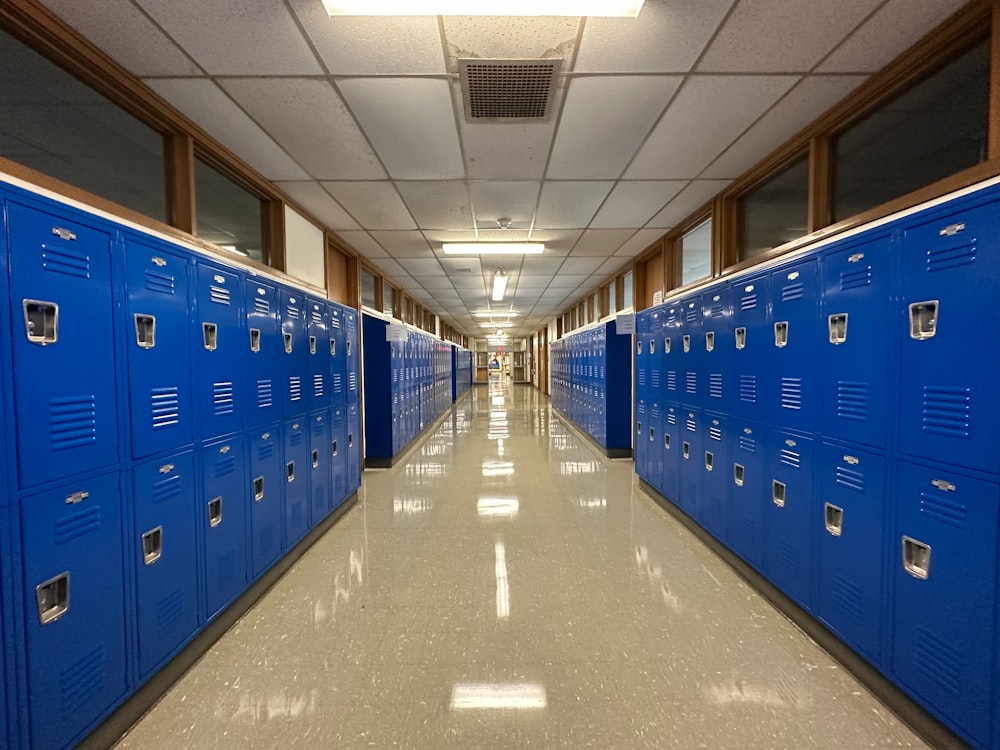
<point x="493" y="248"/>
<point x="498" y="325"/>
<point x="508" y="695"/>
<point x="498" y="314"/>
<point x="607" y="8"/>
<point x="499" y="285"/>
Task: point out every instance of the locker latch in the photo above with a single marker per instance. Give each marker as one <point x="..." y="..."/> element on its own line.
<point x="312" y="344"/>
<point x="348" y="348"/>
<point x="838" y="328"/>
<point x="686" y="449"/>
<point x="77" y="497"/>
<point x="943" y="485"/>
<point x="333" y="448"/>
<point x="145" y="331"/>
<point x="333" y="347"/>
<point x="951" y="230"/>
<point x="666" y="345"/>
<point x="709" y="461"/>
<point x="152" y="545"/>
<point x="288" y="343"/>
<point x="652" y="346"/>
<point x="741" y="338"/>
<point x="315" y="458"/>
<point x="923" y="320"/>
<point x="710" y="341"/>
<point x="916" y="558"/>
<point x="687" y="344"/>
<point x="290" y="471"/>
<point x="258" y="489"/>
<point x="638" y="428"/>
<point x="638" y="346"/>
<point x="738" y="473"/>
<point x="255" y="339"/>
<point x="52" y="598"/>
<point x="781" y="334"/>
<point x="834" y="518"/>
<point x="210" y="335"/>
<point x="778" y="493"/>
<point x="666" y="440"/>
<point x="41" y="321"/>
<point x="215" y="512"/>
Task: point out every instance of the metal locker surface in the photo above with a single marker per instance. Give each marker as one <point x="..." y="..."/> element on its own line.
<point x="716" y="476"/>
<point x="748" y="490"/>
<point x="652" y="438"/>
<point x="320" y="466"/>
<point x="642" y="444"/>
<point x="63" y="344"/>
<point x="352" y="355"/>
<point x="295" y="362"/>
<point x="669" y="448"/>
<point x="338" y="455"/>
<point x="318" y="330"/>
<point x="689" y="463"/>
<point x="669" y="343"/>
<point x="693" y="383"/>
<point x="163" y="545"/>
<point x="717" y="353"/>
<point x="158" y="342"/>
<point x="265" y="497"/>
<point x="265" y="348"/>
<point x="74" y="603"/>
<point x="223" y="517"/>
<point x="642" y="358"/>
<point x="338" y="355"/>
<point x="298" y="468"/>
<point x="751" y="346"/>
<point x="944" y="594"/>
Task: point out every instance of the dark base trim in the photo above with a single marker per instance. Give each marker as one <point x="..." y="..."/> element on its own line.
<point x="932" y="731"/>
<point x="387" y="462"/>
<point x="135" y="707"/>
<point x="609" y="452"/>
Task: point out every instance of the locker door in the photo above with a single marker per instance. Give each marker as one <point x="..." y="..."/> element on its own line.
<point x="716" y="477"/>
<point x="353" y="448"/>
<point x="158" y="345"/>
<point x="642" y="354"/>
<point x="338" y="455"/>
<point x="653" y="439"/>
<point x="223" y="517"/>
<point x="74" y="603"/>
<point x="693" y="385"/>
<point x="298" y="466"/>
<point x="717" y="354"/>
<point x="748" y="491"/>
<point x="220" y="341"/>
<point x="854" y="397"/>
<point x="798" y="331"/>
<point x="338" y="359"/>
<point x="689" y="463"/>
<point x="670" y="448"/>
<point x="265" y="491"/>
<point x="265" y="349"/>
<point x="950" y="273"/>
<point x="640" y="440"/>
<point x="163" y="542"/>
<point x="752" y="344"/>
<point x="788" y="516"/>
<point x="295" y="362"/>
<point x="318" y="330"/>
<point x="851" y="545"/>
<point x="320" y="466"/>
<point x="351" y="354"/>
<point x="62" y="316"/>
<point x="944" y="594"/>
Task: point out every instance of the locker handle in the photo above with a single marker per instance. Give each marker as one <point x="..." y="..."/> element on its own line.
<point x="255" y="340"/>
<point x="145" y="331"/>
<point x="312" y="344"/>
<point x="738" y="474"/>
<point x="709" y="461"/>
<point x="666" y="440"/>
<point x="215" y="512"/>
<point x="210" y="335"/>
<point x="348" y="348"/>
<point x="638" y="428"/>
<point x="288" y="343"/>
<point x="666" y="345"/>
<point x="838" y="328"/>
<point x="741" y="338"/>
<point x="834" y="517"/>
<point x="652" y="434"/>
<point x="916" y="558"/>
<point x="333" y="447"/>
<point x="923" y="320"/>
<point x="350" y="439"/>
<point x="710" y="341"/>
<point x="778" y="493"/>
<point x="315" y="457"/>
<point x="638" y="347"/>
<point x="152" y="545"/>
<point x="290" y="471"/>
<point x="652" y="346"/>
<point x="687" y="344"/>
<point x="41" y="321"/>
<point x="333" y="347"/>
<point x="686" y="449"/>
<point x="52" y="598"/>
<point x="258" y="489"/>
<point x="781" y="334"/>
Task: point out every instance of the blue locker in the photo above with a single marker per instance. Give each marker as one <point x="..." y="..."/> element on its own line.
<point x="689" y="463"/>
<point x="652" y="439"/>
<point x="854" y="394"/>
<point x="318" y="330"/>
<point x="716" y="477"/>
<point x="352" y="355"/>
<point x="320" y="466"/>
<point x="338" y="356"/>
<point x="670" y="450"/>
<point x="716" y="313"/>
<point x="220" y="341"/>
<point x="950" y="277"/>
<point x="692" y="384"/>
<point x="353" y="448"/>
<point x="669" y="340"/>
<point x="296" y="365"/>
<point x="74" y="603"/>
<point x="264" y="380"/>
<point x="338" y="455"/>
<point x="851" y="549"/>
<point x="944" y="594"/>
<point x="642" y="357"/>
<point x="788" y="517"/>
<point x="752" y="344"/>
<point x="798" y="332"/>
<point x="157" y="340"/>
<point x="640" y="440"/>
<point x="224" y="522"/>
<point x="166" y="560"/>
<point x="748" y="492"/>
<point x="298" y="467"/>
<point x="62" y="317"/>
<point x="266" y="509"/>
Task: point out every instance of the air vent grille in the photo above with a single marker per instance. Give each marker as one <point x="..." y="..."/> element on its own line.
<point x="507" y="89"/>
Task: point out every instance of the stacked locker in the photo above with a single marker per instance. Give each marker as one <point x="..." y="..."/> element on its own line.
<point x="690" y="384"/>
<point x="669" y="444"/>
<point x="642" y="400"/>
<point x="338" y="404"/>
<point x="461" y="372"/>
<point x="352" y="353"/>
<point x="716" y="315"/>
<point x="297" y="399"/>
<point x="320" y="464"/>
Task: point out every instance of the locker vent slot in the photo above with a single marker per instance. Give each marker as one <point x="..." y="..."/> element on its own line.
<point x="168" y="488"/>
<point x="945" y="511"/>
<point x="210" y="336"/>
<point x="165" y="408"/>
<point x="938" y="660"/>
<point x="791" y="458"/>
<point x="852" y="401"/>
<point x="316" y="316"/>
<point x="748" y="389"/>
<point x="352" y="382"/>
<point x="748" y="444"/>
<point x="792" y="292"/>
<point x="258" y="489"/>
<point x="264" y="394"/>
<point x="261" y="306"/>
<point x="52" y="598"/>
<point x="833" y="518"/>
<point x="788" y="557"/>
<point x="853" y="480"/>
<point x="715" y="385"/>
<point x="671" y="380"/>
<point x="169" y="612"/>
<point x="655" y="379"/>
<point x="716" y="311"/>
<point x="739" y="473"/>
<point x="947" y="411"/>
<point x="294" y="388"/>
<point x="295" y="437"/>
<point x="715" y="433"/>
<point x="692" y="383"/>
<point x="219" y="295"/>
<point x="791" y="393"/>
<point x="215" y="512"/>
<point x="77" y="525"/>
<point x="225" y="466"/>
<point x="641" y="377"/>
<point x="161" y="283"/>
<point x="61" y="261"/>
<point x="943" y="258"/>
<point x="748" y="302"/>
<point x="318" y="388"/>
<point x="857" y="279"/>
<point x="691" y="315"/>
<point x="338" y="383"/>
<point x="82" y="679"/>
<point x="848" y="600"/>
<point x="41" y="321"/>
<point x="691" y="425"/>
<point x="265" y="451"/>
<point x="292" y="312"/>
<point x="72" y="422"/>
<point x="222" y="399"/>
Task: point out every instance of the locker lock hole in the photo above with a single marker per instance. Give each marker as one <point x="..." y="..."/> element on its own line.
<point x="916" y="558"/>
<point x="638" y="428"/>
<point x="52" y="598"/>
<point x="838" y="329"/>
<point x="41" y="322"/>
<point x="333" y="347"/>
<point x="638" y="347"/>
<point x="333" y="448"/>
<point x="781" y="334"/>
<point x="738" y="474"/>
<point x="834" y="519"/>
<point x="687" y="344"/>
<point x="152" y="545"/>
<point x="652" y="346"/>
<point x="666" y="346"/>
<point x="652" y="434"/>
<point x="741" y="338"/>
<point x="290" y="471"/>
<point x="255" y="340"/>
<point x="215" y="512"/>
<point x="709" y="461"/>
<point x="288" y="343"/>
<point x="258" y="489"/>
<point x="923" y="320"/>
<point x="778" y="493"/>
<point x="315" y="458"/>
<point x="666" y="440"/>
<point x="312" y="344"/>
<point x="350" y="440"/>
<point x="686" y="449"/>
<point x="210" y="334"/>
<point x="145" y="331"/>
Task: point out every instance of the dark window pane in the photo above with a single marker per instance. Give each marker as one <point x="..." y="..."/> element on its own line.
<point x="776" y="212"/>
<point x="55" y="124"/>
<point x="367" y="288"/>
<point x="228" y="215"/>
<point x="935" y="129"/>
<point x="627" y="293"/>
<point x="388" y="298"/>
<point x="696" y="253"/>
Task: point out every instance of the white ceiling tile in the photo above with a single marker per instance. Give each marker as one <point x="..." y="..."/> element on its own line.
<point x="116" y="31"/>
<point x="491" y="37"/>
<point x="709" y="113"/>
<point x="376" y="205"/>
<point x="422" y="266"/>
<point x="364" y="244"/>
<point x="776" y="36"/>
<point x="533" y="282"/>
<point x="373" y="45"/>
<point x="209" y="107"/>
<point x="236" y="38"/>
<point x="539" y="265"/>
<point x="436" y="283"/>
<point x="462" y="265"/>
<point x="409" y="244"/>
<point x="570" y="204"/>
<point x="389" y="267"/>
<point x="801" y="106"/>
<point x="411" y="124"/>
<point x="494" y="200"/>
<point x="594" y="139"/>
<point x="309" y="119"/>
<point x="614" y="266"/>
<point x="639" y="242"/>
<point x="438" y="204"/>
<point x="894" y="28"/>
<point x="468" y="284"/>
<point x="318" y="202"/>
<point x="580" y="265"/>
<point x="689" y="200"/>
<point x="632" y="204"/>
<point x="601" y="242"/>
<point x="505" y="152"/>
<point x="557" y="242"/>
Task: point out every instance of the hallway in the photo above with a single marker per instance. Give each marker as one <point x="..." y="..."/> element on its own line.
<point x="505" y="586"/>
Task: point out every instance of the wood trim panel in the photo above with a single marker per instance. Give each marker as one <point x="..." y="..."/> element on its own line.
<point x="337" y="273"/>
<point x="994" y="129"/>
<point x="272" y="214"/>
<point x="820" y="174"/>
<point x="722" y="221"/>
<point x="639" y="287"/>
<point x="178" y="161"/>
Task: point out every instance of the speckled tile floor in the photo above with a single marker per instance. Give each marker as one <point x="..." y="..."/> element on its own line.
<point x="506" y="587"/>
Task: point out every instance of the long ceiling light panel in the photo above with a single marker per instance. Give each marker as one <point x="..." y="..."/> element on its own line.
<point x="493" y="248"/>
<point x="499" y="285"/>
<point x="607" y="8"/>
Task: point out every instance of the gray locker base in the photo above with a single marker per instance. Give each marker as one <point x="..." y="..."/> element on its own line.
<point x="609" y="452"/>
<point x="387" y="462"/>
<point x="117" y="725"/>
<point x="933" y="732"/>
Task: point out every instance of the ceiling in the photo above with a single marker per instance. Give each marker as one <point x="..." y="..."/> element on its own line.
<point x="361" y="121"/>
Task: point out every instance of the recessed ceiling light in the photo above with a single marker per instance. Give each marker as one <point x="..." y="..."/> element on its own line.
<point x="497" y="314"/>
<point x="611" y="8"/>
<point x="493" y="248"/>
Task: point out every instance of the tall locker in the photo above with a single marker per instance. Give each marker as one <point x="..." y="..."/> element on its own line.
<point x="62" y="316"/>
<point x="338" y="455"/>
<point x="716" y="479"/>
<point x="223" y="519"/>
<point x="854" y="390"/>
<point x="752" y="344"/>
<point x="74" y="604"/>
<point x="716" y="354"/>
<point x="265" y="492"/>
<point x="157" y="284"/>
<point x="689" y="463"/>
<point x="652" y="440"/>
<point x="298" y="467"/>
<point x="353" y="447"/>
<point x="669" y="342"/>
<point x="670" y="448"/>
<point x="264" y="380"/>
<point x="352" y="355"/>
<point x="296" y="363"/>
<point x="640" y="438"/>
<point x="788" y="517"/>
<point x="692" y="384"/>
<point x="951" y="279"/>
<point x="220" y="345"/>
<point x="944" y="594"/>
<point x="318" y="330"/>
<point x="320" y="466"/>
<point x="338" y="357"/>
<point x="748" y="493"/>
